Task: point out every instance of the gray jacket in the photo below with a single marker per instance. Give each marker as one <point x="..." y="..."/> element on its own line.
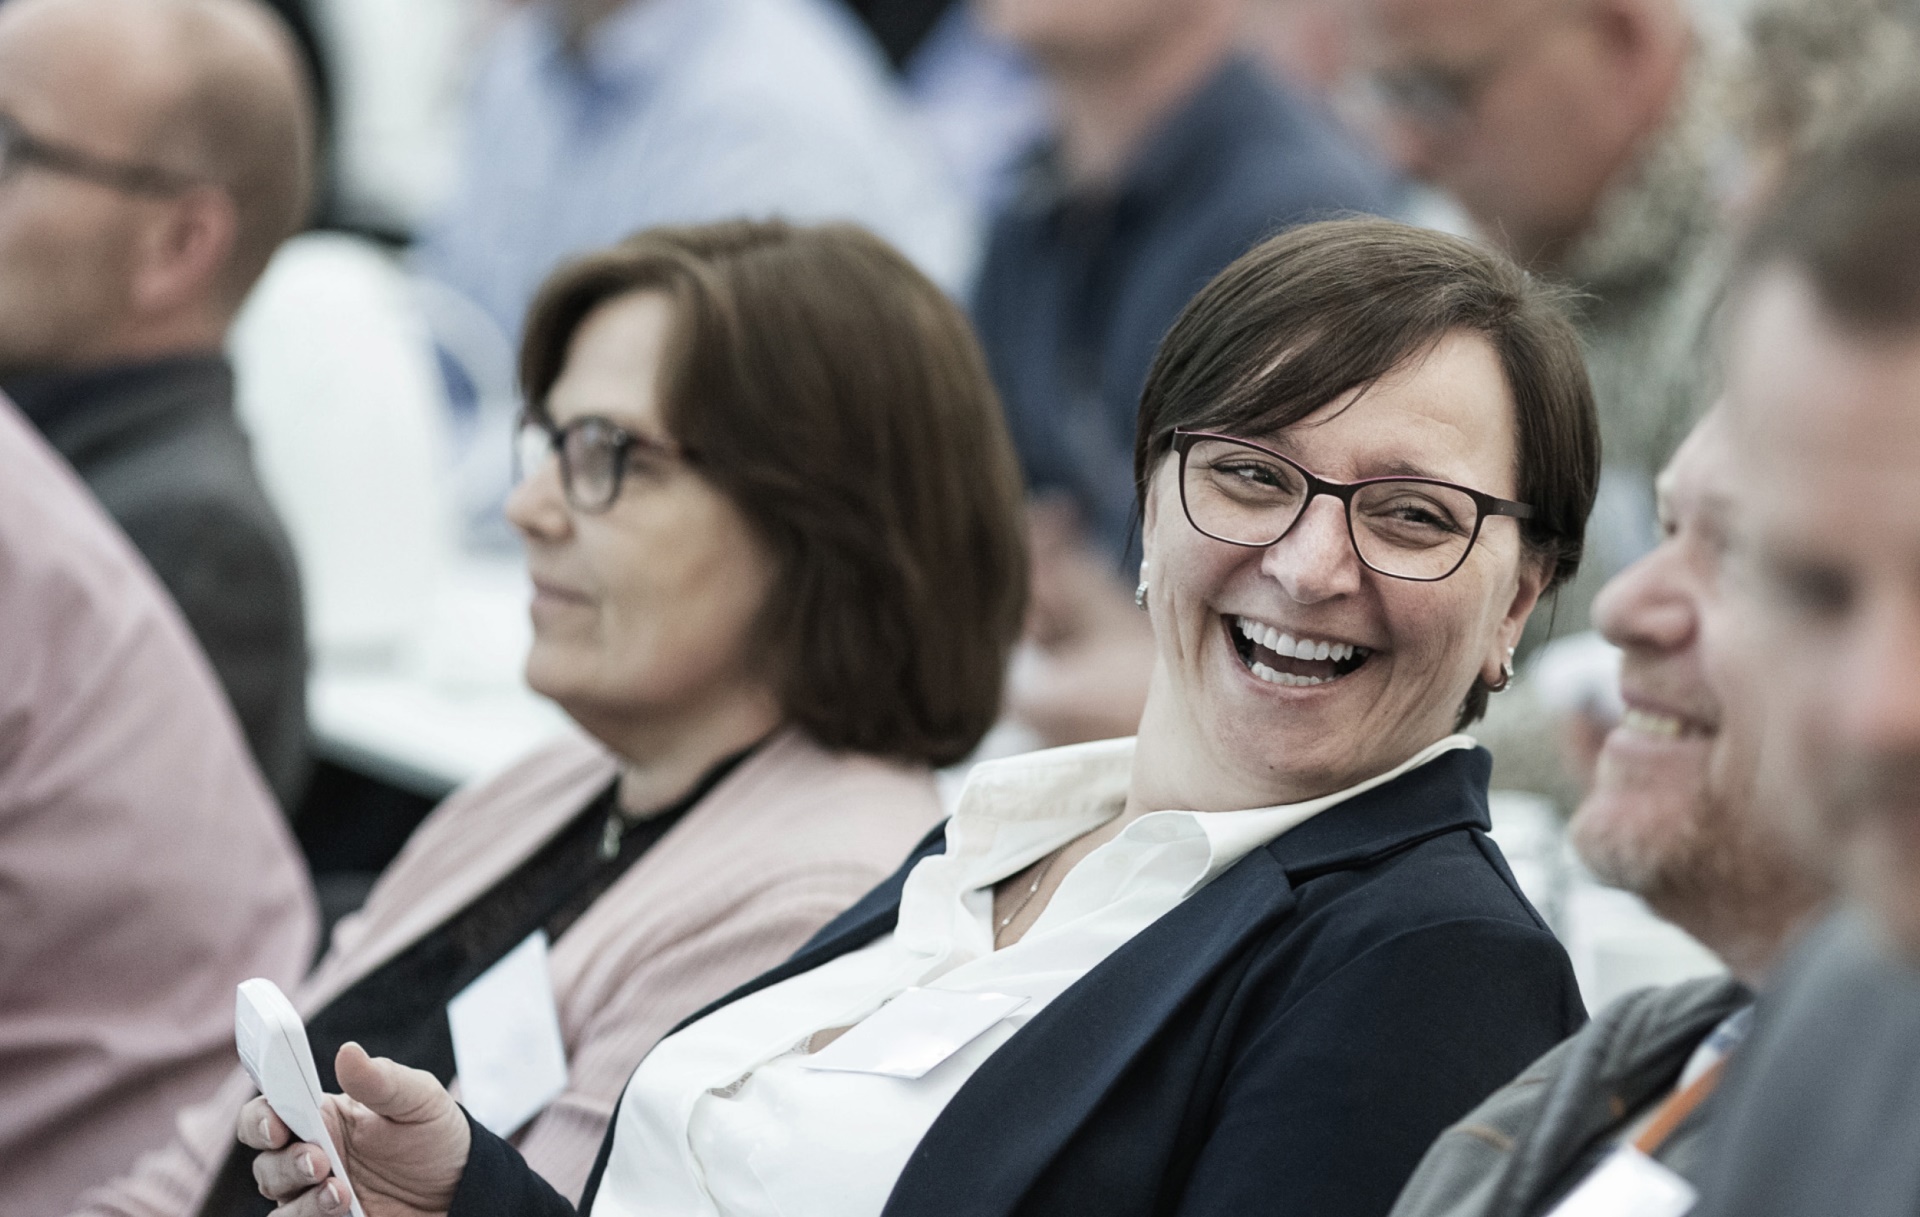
<point x="1822" y="1107"/>
<point x="161" y="448"/>
<point x="1521" y="1151"/>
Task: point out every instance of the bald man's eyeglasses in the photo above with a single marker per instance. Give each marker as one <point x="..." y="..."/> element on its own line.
<point x="20" y="150"/>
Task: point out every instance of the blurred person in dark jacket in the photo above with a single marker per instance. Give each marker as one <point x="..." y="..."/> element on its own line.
<point x="153" y="153"/>
<point x="1173" y="154"/>
<point x="1671" y="818"/>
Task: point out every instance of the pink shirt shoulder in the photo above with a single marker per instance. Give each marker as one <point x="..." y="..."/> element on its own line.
<point x="144" y="868"/>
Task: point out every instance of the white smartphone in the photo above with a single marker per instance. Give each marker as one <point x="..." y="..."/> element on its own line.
<point x="273" y="1048"/>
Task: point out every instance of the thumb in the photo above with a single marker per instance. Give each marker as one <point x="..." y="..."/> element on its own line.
<point x="388" y="1088"/>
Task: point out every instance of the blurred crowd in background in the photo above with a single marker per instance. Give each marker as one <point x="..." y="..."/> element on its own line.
<point x="298" y="394"/>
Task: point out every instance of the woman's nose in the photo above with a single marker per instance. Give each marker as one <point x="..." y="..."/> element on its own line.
<point x="537" y="507"/>
<point x="1315" y="561"/>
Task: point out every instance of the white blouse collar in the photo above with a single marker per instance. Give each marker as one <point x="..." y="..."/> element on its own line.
<point x="1018" y="809"/>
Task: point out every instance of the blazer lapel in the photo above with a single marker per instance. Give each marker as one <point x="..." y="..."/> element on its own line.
<point x="1045" y="1072"/>
<point x="1445" y="794"/>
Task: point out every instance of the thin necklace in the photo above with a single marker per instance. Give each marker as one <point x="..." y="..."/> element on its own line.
<point x="1032" y="889"/>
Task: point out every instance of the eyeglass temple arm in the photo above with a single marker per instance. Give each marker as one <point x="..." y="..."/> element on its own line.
<point x="140" y="179"/>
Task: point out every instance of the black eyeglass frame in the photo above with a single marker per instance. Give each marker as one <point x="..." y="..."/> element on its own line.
<point x="1485" y="504"/>
<point x="19" y="149"/>
<point x="624" y="444"/>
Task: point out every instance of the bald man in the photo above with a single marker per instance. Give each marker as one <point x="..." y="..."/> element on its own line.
<point x="153" y="154"/>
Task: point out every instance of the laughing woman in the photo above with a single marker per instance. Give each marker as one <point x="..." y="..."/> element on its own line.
<point x="1252" y="961"/>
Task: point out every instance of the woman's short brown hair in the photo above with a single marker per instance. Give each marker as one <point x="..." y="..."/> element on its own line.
<point x="840" y="401"/>
<point x="1326" y="308"/>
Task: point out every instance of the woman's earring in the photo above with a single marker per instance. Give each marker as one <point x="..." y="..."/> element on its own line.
<point x="1140" y="596"/>
<point x="1506" y="675"/>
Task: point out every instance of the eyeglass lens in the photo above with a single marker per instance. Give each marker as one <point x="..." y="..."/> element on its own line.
<point x="1409" y="530"/>
<point x="590" y="455"/>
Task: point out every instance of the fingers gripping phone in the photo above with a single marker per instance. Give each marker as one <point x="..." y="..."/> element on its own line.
<point x="274" y="1050"/>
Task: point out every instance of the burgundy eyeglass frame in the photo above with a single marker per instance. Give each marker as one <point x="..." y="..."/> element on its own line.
<point x="1486" y="504"/>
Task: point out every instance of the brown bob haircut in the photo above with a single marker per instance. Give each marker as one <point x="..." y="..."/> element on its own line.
<point x="840" y="401"/>
<point x="1324" y="309"/>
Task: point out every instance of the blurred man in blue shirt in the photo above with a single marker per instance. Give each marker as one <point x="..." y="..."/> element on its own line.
<point x="593" y="118"/>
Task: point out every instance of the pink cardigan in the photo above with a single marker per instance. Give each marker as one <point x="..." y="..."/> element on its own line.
<point x="144" y="868"/>
<point x="785" y="842"/>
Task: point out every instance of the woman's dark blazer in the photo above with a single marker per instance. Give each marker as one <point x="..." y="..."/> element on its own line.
<point x="1289" y="1040"/>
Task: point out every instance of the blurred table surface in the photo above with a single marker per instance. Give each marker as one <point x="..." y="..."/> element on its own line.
<point x="446" y="705"/>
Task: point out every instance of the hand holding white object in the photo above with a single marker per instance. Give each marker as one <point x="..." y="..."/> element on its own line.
<point x="402" y="1140"/>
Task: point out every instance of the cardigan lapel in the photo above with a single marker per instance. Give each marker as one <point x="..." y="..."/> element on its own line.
<point x="417" y="894"/>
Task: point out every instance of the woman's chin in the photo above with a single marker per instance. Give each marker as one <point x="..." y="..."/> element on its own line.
<point x="560" y="674"/>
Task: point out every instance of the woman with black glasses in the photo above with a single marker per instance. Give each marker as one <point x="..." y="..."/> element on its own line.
<point x="773" y="523"/>
<point x="1251" y="961"/>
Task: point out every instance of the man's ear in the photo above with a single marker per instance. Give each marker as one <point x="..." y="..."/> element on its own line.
<point x="184" y="251"/>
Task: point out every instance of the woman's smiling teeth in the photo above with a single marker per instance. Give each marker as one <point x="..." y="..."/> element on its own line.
<point x="1282" y="659"/>
<point x="1288" y="645"/>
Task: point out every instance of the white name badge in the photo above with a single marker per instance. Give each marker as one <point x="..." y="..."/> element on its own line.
<point x="1628" y="1184"/>
<point x="506" y="1040"/>
<point x="914" y="1032"/>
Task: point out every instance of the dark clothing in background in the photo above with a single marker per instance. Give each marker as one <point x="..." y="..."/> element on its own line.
<point x="160" y="446"/>
<point x="900" y="26"/>
<point x="1821" y="1107"/>
<point x="302" y="29"/>
<point x="1519" y="1153"/>
<point x="1286" y="1041"/>
<point x="314" y="58"/>
<point x="1075" y="293"/>
<point x="399" y="1010"/>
